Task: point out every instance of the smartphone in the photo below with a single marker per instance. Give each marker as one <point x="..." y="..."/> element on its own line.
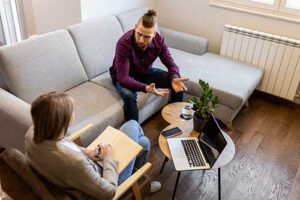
<point x="171" y="132"/>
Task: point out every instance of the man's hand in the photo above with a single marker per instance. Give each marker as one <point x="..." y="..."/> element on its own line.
<point x="152" y="89"/>
<point x="178" y="85"/>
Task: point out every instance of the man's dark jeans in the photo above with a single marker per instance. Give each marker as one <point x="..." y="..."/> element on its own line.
<point x="157" y="76"/>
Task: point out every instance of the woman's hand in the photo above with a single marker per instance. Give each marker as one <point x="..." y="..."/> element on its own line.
<point x="92" y="153"/>
<point x="101" y="152"/>
<point x="106" y="151"/>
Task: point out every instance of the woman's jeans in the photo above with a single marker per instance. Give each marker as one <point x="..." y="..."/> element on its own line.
<point x="135" y="132"/>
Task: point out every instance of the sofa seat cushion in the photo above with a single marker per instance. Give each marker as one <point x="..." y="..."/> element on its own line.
<point x="232" y="81"/>
<point x="96" y="105"/>
<point x="41" y="64"/>
<point x="105" y="81"/>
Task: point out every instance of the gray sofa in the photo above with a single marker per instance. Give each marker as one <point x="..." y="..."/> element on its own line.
<point x="76" y="61"/>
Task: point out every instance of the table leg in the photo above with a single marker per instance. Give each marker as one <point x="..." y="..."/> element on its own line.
<point x="162" y="167"/>
<point x="219" y="183"/>
<point x="174" y="191"/>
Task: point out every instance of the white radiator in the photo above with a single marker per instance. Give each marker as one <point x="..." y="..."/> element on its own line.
<point x="278" y="56"/>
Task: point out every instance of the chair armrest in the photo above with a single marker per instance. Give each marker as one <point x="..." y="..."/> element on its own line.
<point x="131" y="180"/>
<point x="15" y="120"/>
<point x="80" y="132"/>
<point x="184" y="41"/>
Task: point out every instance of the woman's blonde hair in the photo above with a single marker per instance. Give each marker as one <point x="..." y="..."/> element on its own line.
<point x="51" y="114"/>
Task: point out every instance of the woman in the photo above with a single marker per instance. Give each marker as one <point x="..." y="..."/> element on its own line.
<point x="67" y="165"/>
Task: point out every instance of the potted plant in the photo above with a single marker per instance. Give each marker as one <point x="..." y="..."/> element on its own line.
<point x="203" y="106"/>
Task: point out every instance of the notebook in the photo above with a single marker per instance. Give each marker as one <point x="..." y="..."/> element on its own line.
<point x="124" y="148"/>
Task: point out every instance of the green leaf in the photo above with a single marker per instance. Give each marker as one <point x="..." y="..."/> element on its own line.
<point x="206" y="102"/>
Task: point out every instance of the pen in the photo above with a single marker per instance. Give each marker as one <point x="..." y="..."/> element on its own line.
<point x="98" y="149"/>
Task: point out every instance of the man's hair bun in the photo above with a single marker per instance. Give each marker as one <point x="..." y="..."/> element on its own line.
<point x="149" y="20"/>
<point x="151" y="13"/>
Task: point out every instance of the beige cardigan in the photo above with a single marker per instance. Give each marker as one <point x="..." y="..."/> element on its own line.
<point x="64" y="164"/>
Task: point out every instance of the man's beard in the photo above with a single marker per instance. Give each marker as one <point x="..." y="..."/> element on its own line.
<point x="142" y="47"/>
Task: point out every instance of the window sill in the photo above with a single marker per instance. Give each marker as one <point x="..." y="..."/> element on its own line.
<point x="255" y="11"/>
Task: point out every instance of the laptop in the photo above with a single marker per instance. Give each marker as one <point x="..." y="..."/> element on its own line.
<point x="193" y="153"/>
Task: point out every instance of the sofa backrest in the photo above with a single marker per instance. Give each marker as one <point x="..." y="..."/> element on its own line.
<point x="129" y="18"/>
<point x="96" y="42"/>
<point x="48" y="62"/>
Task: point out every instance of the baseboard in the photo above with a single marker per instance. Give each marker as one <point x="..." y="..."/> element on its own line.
<point x="275" y="99"/>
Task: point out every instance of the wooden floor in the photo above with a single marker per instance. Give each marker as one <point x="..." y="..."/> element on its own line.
<point x="266" y="164"/>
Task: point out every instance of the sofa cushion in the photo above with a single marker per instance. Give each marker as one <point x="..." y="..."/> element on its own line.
<point x="97" y="105"/>
<point x="232" y="81"/>
<point x="129" y="19"/>
<point x="105" y="81"/>
<point x="96" y="41"/>
<point x="41" y="64"/>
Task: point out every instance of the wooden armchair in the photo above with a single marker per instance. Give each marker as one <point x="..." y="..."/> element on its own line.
<point x="19" y="181"/>
<point x="131" y="182"/>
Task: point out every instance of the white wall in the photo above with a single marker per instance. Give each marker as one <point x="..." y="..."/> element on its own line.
<point x="97" y="8"/>
<point x="43" y="16"/>
<point x="197" y="17"/>
<point x="29" y="19"/>
<point x="51" y="15"/>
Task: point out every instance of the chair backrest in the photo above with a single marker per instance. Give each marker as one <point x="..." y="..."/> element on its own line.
<point x="42" y="64"/>
<point x="96" y="41"/>
<point x="17" y="162"/>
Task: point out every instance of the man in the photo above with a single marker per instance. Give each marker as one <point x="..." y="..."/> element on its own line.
<point x="132" y="69"/>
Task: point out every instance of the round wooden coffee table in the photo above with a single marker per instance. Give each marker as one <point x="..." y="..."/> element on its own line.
<point x="171" y="112"/>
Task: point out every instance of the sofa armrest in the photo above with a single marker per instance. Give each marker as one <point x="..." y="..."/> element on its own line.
<point x="75" y="137"/>
<point x="15" y="119"/>
<point x="184" y="41"/>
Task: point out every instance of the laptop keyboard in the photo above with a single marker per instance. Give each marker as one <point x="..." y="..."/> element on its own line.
<point x="193" y="153"/>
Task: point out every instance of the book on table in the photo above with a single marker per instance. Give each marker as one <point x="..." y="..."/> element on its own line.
<point x="124" y="148"/>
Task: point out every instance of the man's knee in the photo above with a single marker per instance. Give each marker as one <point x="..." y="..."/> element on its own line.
<point x="129" y="94"/>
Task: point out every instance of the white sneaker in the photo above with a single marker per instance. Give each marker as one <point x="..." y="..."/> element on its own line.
<point x="155" y="186"/>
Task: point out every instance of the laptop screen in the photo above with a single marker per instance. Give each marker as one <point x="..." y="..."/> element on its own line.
<point x="212" y="137"/>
